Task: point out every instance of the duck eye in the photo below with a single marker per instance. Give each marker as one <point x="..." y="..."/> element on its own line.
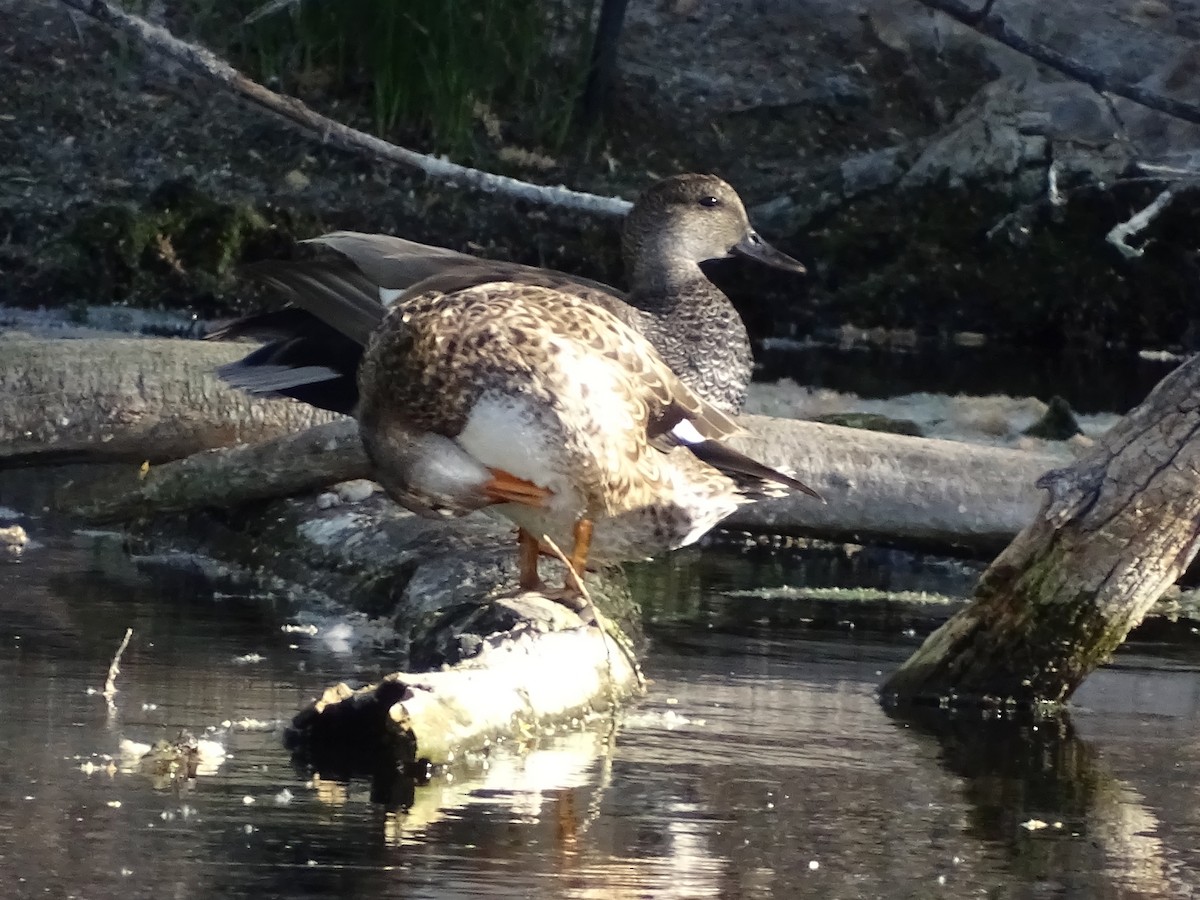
<point x="709" y="201"/>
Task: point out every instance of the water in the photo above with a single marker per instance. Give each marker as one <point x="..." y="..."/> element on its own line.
<point x="1113" y="381"/>
<point x="760" y="765"/>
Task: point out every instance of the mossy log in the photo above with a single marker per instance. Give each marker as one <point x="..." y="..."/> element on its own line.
<point x="1116" y="530"/>
<point x="511" y="688"/>
<point x="128" y="399"/>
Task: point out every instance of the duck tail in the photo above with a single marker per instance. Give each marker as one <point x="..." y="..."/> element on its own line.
<point x="752" y="477"/>
<point x="313" y="348"/>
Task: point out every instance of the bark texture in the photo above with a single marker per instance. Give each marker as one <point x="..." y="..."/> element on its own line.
<point x="128" y="399"/>
<point x="1115" y="531"/>
<point x="226" y="477"/>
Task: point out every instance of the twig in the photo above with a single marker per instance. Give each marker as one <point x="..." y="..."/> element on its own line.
<point x="1165" y="173"/>
<point x="1054" y="196"/>
<point x="1021" y="216"/>
<point x="1120" y="233"/>
<point x="205" y="63"/>
<point x="114" y="668"/>
<point x="269" y="9"/>
<point x="574" y="577"/>
<point x="612" y="635"/>
<point x="995" y="27"/>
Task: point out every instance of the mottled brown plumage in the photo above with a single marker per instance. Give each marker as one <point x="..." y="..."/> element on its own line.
<point x="537" y="387"/>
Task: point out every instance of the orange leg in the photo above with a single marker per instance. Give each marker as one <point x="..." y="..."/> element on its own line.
<point x="527" y="561"/>
<point x="583" y="543"/>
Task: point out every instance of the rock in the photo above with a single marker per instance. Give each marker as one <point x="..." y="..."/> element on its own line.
<point x="355" y="491"/>
<point x="296" y="181"/>
<point x="1058" y="423"/>
<point x="13" y="540"/>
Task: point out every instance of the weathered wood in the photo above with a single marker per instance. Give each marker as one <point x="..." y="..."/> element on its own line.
<point x="913" y="491"/>
<point x="1115" y="531"/>
<point x="893" y="488"/>
<point x="128" y="399"/>
<point x="153" y="399"/>
<point x="512" y="687"/>
<point x="281" y="467"/>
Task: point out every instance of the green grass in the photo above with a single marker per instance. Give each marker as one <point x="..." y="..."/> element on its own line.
<point x="430" y="66"/>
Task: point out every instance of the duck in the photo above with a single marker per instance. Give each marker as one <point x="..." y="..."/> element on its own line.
<point x="674" y="226"/>
<point x="526" y="400"/>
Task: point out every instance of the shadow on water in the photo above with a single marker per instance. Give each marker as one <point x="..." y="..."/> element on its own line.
<point x="760" y="765"/>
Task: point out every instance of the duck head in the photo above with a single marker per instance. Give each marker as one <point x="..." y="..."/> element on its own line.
<point x="690" y="219"/>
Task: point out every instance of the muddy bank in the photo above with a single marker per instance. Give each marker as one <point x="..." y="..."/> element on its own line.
<point x="904" y="159"/>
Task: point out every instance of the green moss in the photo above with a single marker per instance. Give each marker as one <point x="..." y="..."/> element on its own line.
<point x="179" y="248"/>
<point x="1047" y="639"/>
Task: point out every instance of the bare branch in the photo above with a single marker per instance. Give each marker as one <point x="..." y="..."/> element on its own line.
<point x="205" y="63"/>
<point x="995" y="27"/>
<point x="114" y="669"/>
<point x="1120" y="233"/>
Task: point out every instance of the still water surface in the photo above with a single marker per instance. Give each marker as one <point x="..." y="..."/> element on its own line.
<point x="760" y="765"/>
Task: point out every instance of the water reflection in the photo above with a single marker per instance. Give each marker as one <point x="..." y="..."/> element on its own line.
<point x="761" y="765"/>
<point x="1049" y="799"/>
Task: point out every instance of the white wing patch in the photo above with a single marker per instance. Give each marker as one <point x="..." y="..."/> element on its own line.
<point x="687" y="432"/>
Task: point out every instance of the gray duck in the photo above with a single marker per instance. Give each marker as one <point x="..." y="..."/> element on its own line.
<point x="675" y="225"/>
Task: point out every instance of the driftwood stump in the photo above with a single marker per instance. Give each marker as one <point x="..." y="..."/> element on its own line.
<point x="1116" y="530"/>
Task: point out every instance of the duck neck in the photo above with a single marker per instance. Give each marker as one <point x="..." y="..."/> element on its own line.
<point x="662" y="284"/>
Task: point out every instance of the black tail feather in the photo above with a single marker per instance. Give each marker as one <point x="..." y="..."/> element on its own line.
<point x="333" y="291"/>
<point x="749" y="473"/>
<point x="314" y="346"/>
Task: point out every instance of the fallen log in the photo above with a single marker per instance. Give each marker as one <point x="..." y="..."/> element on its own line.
<point x="892" y="488"/>
<point x="1115" y="531"/>
<point x="224" y="477"/>
<point x="513" y="686"/>
<point x="128" y="399"/>
<point x="495" y="665"/>
<point x="879" y="487"/>
<point x="156" y="399"/>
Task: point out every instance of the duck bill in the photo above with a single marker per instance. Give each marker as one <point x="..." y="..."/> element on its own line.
<point x="754" y="247"/>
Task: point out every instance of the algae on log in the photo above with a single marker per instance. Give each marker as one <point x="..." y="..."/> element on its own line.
<point x="128" y="399"/>
<point x="1117" y="529"/>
